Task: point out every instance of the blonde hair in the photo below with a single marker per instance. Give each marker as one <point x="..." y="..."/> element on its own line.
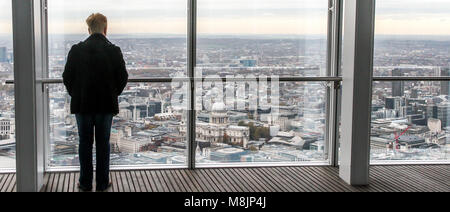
<point x="97" y="22"/>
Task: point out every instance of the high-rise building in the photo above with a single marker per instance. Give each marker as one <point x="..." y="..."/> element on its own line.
<point x="394" y="103"/>
<point x="398" y="87"/>
<point x="414" y="93"/>
<point x="445" y="86"/>
<point x="390" y="103"/>
<point x="443" y="113"/>
<point x="3" y="55"/>
<point x="431" y="111"/>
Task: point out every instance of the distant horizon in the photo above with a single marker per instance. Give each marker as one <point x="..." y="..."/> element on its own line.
<point x="223" y="17"/>
<point x="165" y="35"/>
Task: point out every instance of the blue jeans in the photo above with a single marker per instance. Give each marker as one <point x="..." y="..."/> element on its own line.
<point x="101" y="124"/>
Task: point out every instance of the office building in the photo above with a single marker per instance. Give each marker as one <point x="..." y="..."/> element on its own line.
<point x="398" y="87"/>
<point x="445" y="86"/>
<point x="3" y="55"/>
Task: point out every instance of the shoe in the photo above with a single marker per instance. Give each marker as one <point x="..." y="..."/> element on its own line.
<point x="84" y="188"/>
<point x="105" y="189"/>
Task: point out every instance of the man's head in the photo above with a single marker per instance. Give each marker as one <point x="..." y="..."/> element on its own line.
<point x="97" y="23"/>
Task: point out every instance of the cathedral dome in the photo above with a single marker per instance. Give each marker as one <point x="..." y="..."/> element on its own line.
<point x="124" y="104"/>
<point x="218" y="107"/>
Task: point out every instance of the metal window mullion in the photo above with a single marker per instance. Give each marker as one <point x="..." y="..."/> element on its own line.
<point x="281" y="79"/>
<point x="357" y="54"/>
<point x="391" y="79"/>
<point x="27" y="66"/>
<point x="329" y="90"/>
<point x="192" y="38"/>
<point x="46" y="97"/>
<point x="332" y="120"/>
<point x="337" y="85"/>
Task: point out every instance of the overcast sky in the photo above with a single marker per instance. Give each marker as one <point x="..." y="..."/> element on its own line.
<point x="419" y="17"/>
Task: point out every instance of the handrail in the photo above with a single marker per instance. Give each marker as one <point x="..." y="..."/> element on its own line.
<point x="391" y="79"/>
<point x="224" y="79"/>
<point x="187" y="79"/>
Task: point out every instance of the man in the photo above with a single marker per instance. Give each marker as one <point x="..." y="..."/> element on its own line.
<point x="95" y="75"/>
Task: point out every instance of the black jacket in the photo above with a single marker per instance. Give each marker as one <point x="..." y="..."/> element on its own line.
<point x="95" y="75"/>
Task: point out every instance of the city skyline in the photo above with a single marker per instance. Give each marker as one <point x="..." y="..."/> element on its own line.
<point x="307" y="17"/>
<point x="149" y="131"/>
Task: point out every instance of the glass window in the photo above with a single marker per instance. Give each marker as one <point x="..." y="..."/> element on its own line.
<point x="151" y="34"/>
<point x="409" y="119"/>
<point x="257" y="121"/>
<point x="278" y="122"/>
<point x="286" y="122"/>
<point x="264" y="37"/>
<point x="7" y="120"/>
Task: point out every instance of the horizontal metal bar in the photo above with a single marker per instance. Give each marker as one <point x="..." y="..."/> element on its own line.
<point x="155" y="80"/>
<point x="239" y="79"/>
<point x="263" y="164"/>
<point x="408" y="162"/>
<point x="186" y="79"/>
<point x="119" y="168"/>
<point x="281" y="79"/>
<point x="411" y="79"/>
<point x="7" y="170"/>
<point x="201" y="166"/>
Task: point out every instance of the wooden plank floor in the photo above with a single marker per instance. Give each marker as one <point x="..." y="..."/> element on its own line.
<point x="423" y="178"/>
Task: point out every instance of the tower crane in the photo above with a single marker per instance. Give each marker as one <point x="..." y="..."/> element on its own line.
<point x="396" y="143"/>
